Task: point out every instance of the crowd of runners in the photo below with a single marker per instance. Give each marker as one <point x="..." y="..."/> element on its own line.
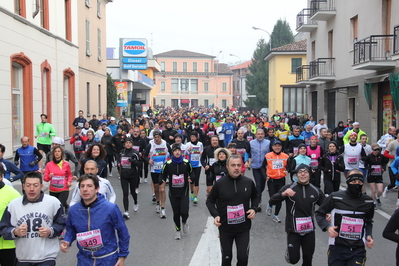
<point x="299" y="161"/>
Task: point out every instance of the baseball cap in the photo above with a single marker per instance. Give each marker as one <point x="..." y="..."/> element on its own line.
<point x="356" y="124"/>
<point x="58" y="140"/>
<point x="112" y="118"/>
<point x="277" y="142"/>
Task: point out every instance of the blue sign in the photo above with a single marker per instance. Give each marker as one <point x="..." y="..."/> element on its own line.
<point x="134" y="47"/>
<point x="134" y="66"/>
<point x="134" y="60"/>
<point x="143" y="79"/>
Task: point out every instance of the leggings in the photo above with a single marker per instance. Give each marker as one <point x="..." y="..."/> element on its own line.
<point x="7" y="256"/>
<point x="274" y="186"/>
<point x="62" y="197"/>
<point x="294" y="242"/>
<point x="242" y="244"/>
<point x="109" y="159"/>
<point x="180" y="206"/>
<point x="316" y="178"/>
<point x="195" y="176"/>
<point x="127" y="183"/>
<point x="260" y="181"/>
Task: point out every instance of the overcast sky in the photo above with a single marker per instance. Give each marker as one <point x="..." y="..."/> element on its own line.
<point x="206" y="26"/>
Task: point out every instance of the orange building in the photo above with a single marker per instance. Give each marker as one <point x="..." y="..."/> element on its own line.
<point x="192" y="79"/>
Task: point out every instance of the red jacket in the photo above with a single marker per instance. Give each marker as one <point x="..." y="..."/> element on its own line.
<point x="61" y="177"/>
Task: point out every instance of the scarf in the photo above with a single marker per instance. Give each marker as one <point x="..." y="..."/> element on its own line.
<point x="177" y="160"/>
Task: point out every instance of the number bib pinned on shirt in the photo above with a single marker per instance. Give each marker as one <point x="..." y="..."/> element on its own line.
<point x="78" y="144"/>
<point x="377" y="170"/>
<point x="178" y="181"/>
<point x="235" y="214"/>
<point x="277" y="164"/>
<point x="304" y="224"/>
<point x="351" y="228"/>
<point x="57" y="181"/>
<point x="90" y="240"/>
<point x="125" y="163"/>
<point x="352" y="160"/>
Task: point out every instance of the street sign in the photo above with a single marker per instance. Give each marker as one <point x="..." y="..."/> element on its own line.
<point x="134" y="66"/>
<point x="130" y="60"/>
<point x="251" y="96"/>
<point x="238" y="97"/>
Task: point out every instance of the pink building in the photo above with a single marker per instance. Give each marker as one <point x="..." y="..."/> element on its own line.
<point x="192" y="79"/>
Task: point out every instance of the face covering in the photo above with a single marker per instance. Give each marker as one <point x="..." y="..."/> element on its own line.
<point x="355" y="189"/>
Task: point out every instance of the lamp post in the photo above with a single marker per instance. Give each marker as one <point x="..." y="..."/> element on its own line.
<point x="239" y="78"/>
<point x="270" y="36"/>
<point x="256" y="102"/>
<point x="217" y="74"/>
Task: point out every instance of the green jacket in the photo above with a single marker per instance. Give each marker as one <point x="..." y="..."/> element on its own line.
<point x="7" y="194"/>
<point x="42" y="128"/>
<point x="346" y="137"/>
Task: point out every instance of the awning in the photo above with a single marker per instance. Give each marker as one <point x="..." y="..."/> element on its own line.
<point x="185" y="101"/>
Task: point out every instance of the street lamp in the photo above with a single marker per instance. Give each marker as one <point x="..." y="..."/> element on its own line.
<point x="239" y="78"/>
<point x="270" y="36"/>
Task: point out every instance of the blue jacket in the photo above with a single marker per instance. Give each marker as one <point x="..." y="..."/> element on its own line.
<point x="26" y="155"/>
<point x="106" y="217"/>
<point x="11" y="168"/>
<point x="228" y="129"/>
<point x="258" y="150"/>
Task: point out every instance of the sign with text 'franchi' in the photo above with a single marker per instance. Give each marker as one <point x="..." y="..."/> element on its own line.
<point x="134" y="47"/>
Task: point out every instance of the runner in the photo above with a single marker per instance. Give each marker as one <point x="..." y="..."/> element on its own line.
<point x="208" y="158"/>
<point x="353" y="152"/>
<point x="390" y="232"/>
<point x="332" y="164"/>
<point x="294" y="141"/>
<point x="390" y="153"/>
<point x="97" y="153"/>
<point x="44" y="132"/>
<point x="299" y="158"/>
<point x="194" y="151"/>
<point x="218" y="169"/>
<point x="233" y="212"/>
<point x="178" y="170"/>
<point x="315" y="152"/>
<point x="300" y="198"/>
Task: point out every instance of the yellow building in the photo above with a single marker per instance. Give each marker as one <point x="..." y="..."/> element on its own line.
<point x="284" y="94"/>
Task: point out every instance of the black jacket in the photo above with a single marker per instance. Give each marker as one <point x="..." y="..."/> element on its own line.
<point x="107" y="141"/>
<point x="328" y="167"/>
<point x="129" y="160"/>
<point x="174" y="172"/>
<point x="169" y="132"/>
<point x="217" y="170"/>
<point x="101" y="164"/>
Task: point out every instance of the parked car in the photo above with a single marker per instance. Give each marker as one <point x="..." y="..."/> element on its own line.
<point x="264" y="111"/>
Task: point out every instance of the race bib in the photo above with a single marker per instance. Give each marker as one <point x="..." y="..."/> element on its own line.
<point x="136" y="148"/>
<point x="304" y="224"/>
<point x="351" y="228"/>
<point x="195" y="157"/>
<point x="218" y="177"/>
<point x="178" y="181"/>
<point x="314" y="163"/>
<point x="249" y="138"/>
<point x="211" y="133"/>
<point x="353" y="160"/>
<point x="228" y="132"/>
<point x="158" y="165"/>
<point x="340" y="134"/>
<point x="235" y="214"/>
<point x="277" y="164"/>
<point x="211" y="161"/>
<point x="241" y="152"/>
<point x="125" y="163"/>
<point x="42" y="135"/>
<point x="377" y="170"/>
<point x="80" y="125"/>
<point x="295" y="150"/>
<point x="90" y="240"/>
<point x="57" y="181"/>
<point x="78" y="143"/>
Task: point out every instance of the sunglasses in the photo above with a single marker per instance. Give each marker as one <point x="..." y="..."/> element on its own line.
<point x="376" y="149"/>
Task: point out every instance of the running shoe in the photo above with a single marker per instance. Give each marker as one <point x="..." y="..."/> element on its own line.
<point x="137" y="190"/>
<point x="163" y="214"/>
<point x="145" y="180"/>
<point x="185" y="228"/>
<point x="141" y="180"/>
<point x="269" y="210"/>
<point x="192" y="196"/>
<point x="177" y="235"/>
<point x="135" y="207"/>
<point x="384" y="194"/>
<point x="276" y="219"/>
<point x="158" y="208"/>
<point x="110" y="174"/>
<point x="126" y="215"/>
<point x="154" y="199"/>
<point x="375" y="206"/>
<point x="195" y="201"/>
<point x="379" y="203"/>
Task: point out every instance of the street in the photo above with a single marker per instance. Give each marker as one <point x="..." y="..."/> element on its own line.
<point x="152" y="239"/>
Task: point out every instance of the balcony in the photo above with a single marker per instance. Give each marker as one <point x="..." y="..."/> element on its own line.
<point x="395" y="55"/>
<point x="303" y="75"/>
<point x="303" y="21"/>
<point x="373" y="53"/>
<point x="322" y="10"/>
<point x="322" y="69"/>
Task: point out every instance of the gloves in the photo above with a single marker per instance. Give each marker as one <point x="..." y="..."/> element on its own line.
<point x="16" y="163"/>
<point x="132" y="160"/>
<point x="33" y="163"/>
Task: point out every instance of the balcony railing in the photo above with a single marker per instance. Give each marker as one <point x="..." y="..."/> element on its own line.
<point x="373" y="48"/>
<point x="321" y="6"/>
<point x="396" y="40"/>
<point x="322" y="69"/>
<point x="303" y="21"/>
<point x="302" y="73"/>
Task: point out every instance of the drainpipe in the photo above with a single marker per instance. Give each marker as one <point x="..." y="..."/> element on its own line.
<point x="37" y="9"/>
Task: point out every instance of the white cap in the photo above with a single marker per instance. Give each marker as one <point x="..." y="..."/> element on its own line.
<point x="356" y="123"/>
<point x="58" y="140"/>
<point x="112" y="118"/>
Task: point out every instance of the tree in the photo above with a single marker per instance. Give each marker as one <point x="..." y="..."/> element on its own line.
<point x="111" y="96"/>
<point x="258" y="81"/>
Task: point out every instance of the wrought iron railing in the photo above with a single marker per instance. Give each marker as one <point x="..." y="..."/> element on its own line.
<point x="303" y="18"/>
<point x="321" y="5"/>
<point x="373" y="48"/>
<point x="302" y="73"/>
<point x="322" y="67"/>
<point x="396" y="39"/>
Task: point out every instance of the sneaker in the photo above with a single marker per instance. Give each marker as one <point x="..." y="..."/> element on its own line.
<point x="195" y="201"/>
<point x="154" y="199"/>
<point x="145" y="180"/>
<point x="177" y="235"/>
<point x="384" y="194"/>
<point x="126" y="215"/>
<point x="192" y="196"/>
<point x="185" y="228"/>
<point x="141" y="180"/>
<point x="379" y="203"/>
<point x="62" y="236"/>
<point x="375" y="206"/>
<point x="110" y="174"/>
<point x="269" y="210"/>
<point x="135" y="207"/>
<point x="276" y="219"/>
<point x="163" y="214"/>
<point x="158" y="208"/>
<point x="137" y="190"/>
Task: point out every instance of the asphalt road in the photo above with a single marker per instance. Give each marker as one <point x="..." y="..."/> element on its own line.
<point x="152" y="239"/>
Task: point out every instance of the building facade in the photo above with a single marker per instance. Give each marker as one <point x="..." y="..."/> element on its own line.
<point x="192" y="79"/>
<point x="352" y="69"/>
<point x="284" y="94"/>
<point x="92" y="55"/>
<point x="38" y="68"/>
<point x="240" y="93"/>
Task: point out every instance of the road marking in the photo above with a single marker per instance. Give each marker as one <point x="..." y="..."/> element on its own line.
<point x="208" y="248"/>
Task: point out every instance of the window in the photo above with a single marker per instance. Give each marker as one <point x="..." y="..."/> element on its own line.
<point x="174" y="66"/>
<point x="330" y="43"/>
<point x="295" y="62"/>
<point x="46" y="89"/>
<point x="354" y="24"/>
<point x="99" y="45"/>
<point x="44" y="14"/>
<point x="184" y="66"/>
<point x="175" y="84"/>
<point x="194" y="85"/>
<point x="162" y="102"/>
<point x="68" y="20"/>
<point x="206" y="86"/>
<point x="88" y="98"/>
<point x="206" y="103"/>
<point x="163" y="85"/>
<point x="224" y="86"/>
<point x="294" y="99"/>
<point x="98" y="8"/>
<point x="224" y="103"/>
<point x="163" y="66"/>
<point x="69" y="102"/>
<point x="195" y="67"/>
<point x="99" y="100"/>
<point x="87" y="3"/>
<point x="17" y="104"/>
<point x="87" y="37"/>
<point x="184" y="84"/>
<point x="20" y="8"/>
<point x="206" y="67"/>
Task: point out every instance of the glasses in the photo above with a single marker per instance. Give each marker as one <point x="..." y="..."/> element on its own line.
<point x="376" y="149"/>
<point x="302" y="171"/>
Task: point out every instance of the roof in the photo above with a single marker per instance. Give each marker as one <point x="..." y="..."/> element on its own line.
<point x="222" y="68"/>
<point x="182" y="53"/>
<point x="296" y="46"/>
<point x="242" y="65"/>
